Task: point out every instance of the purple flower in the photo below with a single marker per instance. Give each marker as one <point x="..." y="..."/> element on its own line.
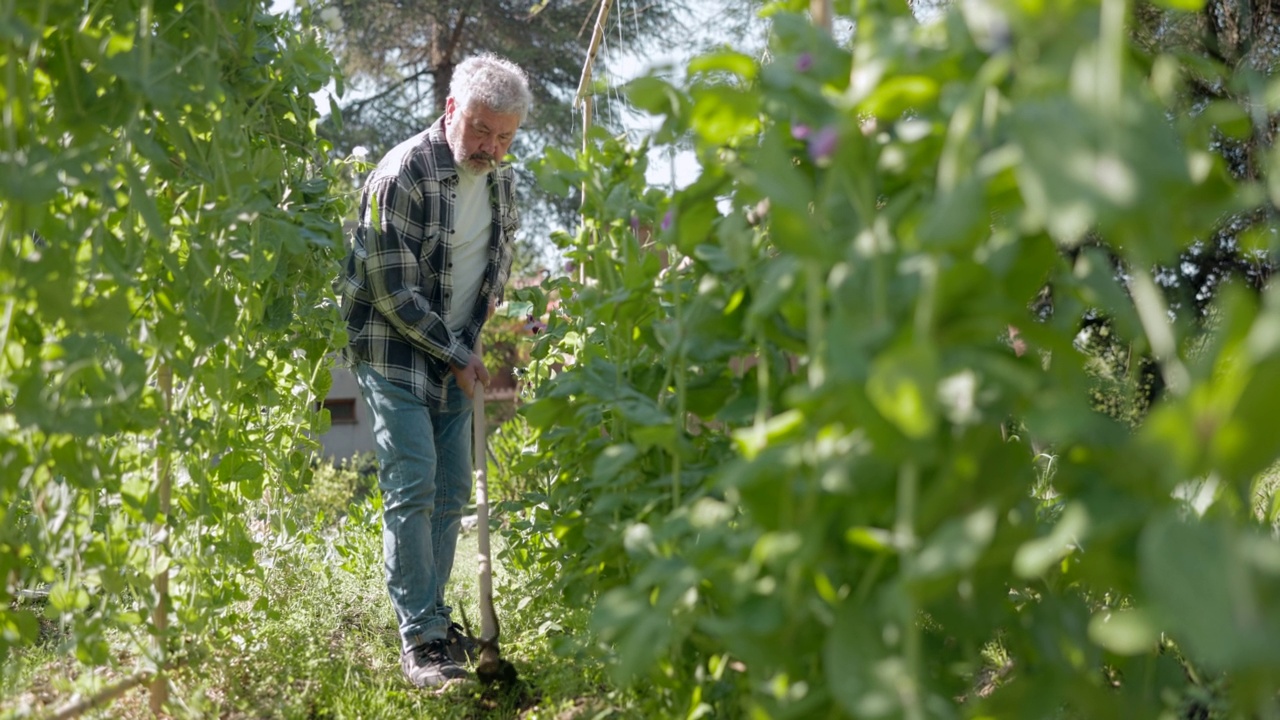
<point x="804" y="62"/>
<point x="800" y="131"/>
<point x="635" y="224"/>
<point x="823" y="145"/>
<point x="666" y="221"/>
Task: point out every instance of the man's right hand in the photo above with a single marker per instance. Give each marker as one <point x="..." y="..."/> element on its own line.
<point x="473" y="372"/>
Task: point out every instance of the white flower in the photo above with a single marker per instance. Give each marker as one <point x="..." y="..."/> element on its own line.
<point x="332" y="18"/>
<point x="360" y="152"/>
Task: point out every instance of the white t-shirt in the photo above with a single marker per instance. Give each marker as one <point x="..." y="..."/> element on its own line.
<point x="472" y="218"/>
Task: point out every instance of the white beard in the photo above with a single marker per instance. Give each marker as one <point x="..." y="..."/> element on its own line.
<point x="465" y="165"/>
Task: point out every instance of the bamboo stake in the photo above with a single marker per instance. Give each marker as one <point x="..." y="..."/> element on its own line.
<point x="583" y="97"/>
<point x="160" y="617"/>
<point x="596" y="36"/>
<point x="588" y="104"/>
<point x="821" y="12"/>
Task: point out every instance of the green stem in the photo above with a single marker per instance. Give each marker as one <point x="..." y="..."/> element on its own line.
<point x="1112" y="41"/>
<point x="905" y="541"/>
<point x="677" y="366"/>
<point x="817" y="324"/>
<point x="1153" y="314"/>
<point x="5" y="324"/>
<point x="762" y="387"/>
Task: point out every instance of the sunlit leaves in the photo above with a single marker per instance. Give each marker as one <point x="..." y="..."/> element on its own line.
<point x="735" y="63"/>
<point x="723" y="115"/>
<point x="866" y="338"/>
<point x="168" y="208"/>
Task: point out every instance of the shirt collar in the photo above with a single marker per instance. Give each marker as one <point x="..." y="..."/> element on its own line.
<point x="440" y="146"/>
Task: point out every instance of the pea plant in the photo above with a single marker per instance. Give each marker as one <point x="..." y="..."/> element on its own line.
<point x="167" y="236"/>
<point x="819" y="435"/>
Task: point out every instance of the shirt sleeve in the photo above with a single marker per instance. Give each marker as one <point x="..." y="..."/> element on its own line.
<point x="395" y="216"/>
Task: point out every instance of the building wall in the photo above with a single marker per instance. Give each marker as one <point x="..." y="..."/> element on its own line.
<point x="350" y="433"/>
<point x="351" y="430"/>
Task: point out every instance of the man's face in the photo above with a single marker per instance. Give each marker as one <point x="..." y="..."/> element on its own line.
<point x="478" y="137"/>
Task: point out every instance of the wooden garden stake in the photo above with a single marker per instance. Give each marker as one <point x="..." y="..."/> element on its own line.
<point x="821" y="12"/>
<point x="583" y="96"/>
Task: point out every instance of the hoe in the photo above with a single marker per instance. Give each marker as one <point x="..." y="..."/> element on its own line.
<point x="490" y="667"/>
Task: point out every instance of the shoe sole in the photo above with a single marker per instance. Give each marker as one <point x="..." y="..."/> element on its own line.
<point x="441" y="689"/>
<point x="437" y="689"/>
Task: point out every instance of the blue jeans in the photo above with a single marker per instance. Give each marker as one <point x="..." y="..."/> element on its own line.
<point x="424" y="473"/>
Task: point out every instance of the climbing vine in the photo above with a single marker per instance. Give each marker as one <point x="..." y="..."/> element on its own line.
<point x="839" y="460"/>
<point x="167" y="237"/>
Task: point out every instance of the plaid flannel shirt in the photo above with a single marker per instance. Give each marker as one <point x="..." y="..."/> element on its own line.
<point x="397" y="284"/>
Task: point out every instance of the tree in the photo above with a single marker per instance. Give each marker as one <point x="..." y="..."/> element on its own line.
<point x="400" y="57"/>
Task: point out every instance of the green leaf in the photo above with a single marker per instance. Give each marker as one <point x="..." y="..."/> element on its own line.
<point x="957" y="545"/>
<point x="1213" y="587"/>
<point x="141" y="200"/>
<point x="66" y="598"/>
<point x="1124" y="632"/>
<point x="903" y="388"/>
<point x="723" y="115"/>
<point x="653" y="95"/>
<point x="1191" y="6"/>
<point x="1243" y="446"/>
<point x="239" y="466"/>
<point x="857" y="668"/>
<point x="744" y="66"/>
<point x="899" y="94"/>
<point x="612" y="460"/>
<point x="1035" y="557"/>
<point x="557" y="172"/>
<point x="624" y="617"/>
<point x="18" y="627"/>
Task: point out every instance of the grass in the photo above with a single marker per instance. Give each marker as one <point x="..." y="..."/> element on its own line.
<point x="327" y="647"/>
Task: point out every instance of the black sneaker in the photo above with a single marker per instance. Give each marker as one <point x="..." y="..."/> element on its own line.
<point x="429" y="665"/>
<point x="461" y="648"/>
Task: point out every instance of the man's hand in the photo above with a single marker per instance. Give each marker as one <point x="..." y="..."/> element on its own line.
<point x="474" y="372"/>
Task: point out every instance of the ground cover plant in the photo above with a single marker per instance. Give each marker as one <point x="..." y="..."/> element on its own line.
<point x="324" y="643"/>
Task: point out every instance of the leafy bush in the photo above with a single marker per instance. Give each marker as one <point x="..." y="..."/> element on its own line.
<point x="167" y="239"/>
<point x="776" y="461"/>
<point x="336" y="486"/>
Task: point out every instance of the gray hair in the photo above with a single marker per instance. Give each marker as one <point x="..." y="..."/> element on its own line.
<point x="494" y="82"/>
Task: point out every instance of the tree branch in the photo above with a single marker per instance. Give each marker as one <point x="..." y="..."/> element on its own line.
<point x="358" y="105"/>
<point x="455" y="37"/>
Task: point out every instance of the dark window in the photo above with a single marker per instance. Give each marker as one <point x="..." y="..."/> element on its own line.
<point x="341" y="412"/>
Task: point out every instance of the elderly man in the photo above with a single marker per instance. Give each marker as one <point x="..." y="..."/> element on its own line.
<point x="430" y="257"/>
